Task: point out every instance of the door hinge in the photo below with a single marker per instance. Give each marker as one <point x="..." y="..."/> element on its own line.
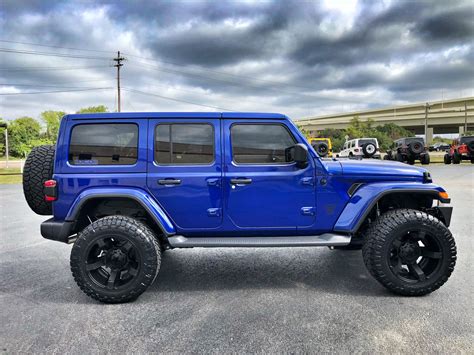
<point x="308" y="211"/>
<point x="214" y="212"/>
<point x="307" y="181"/>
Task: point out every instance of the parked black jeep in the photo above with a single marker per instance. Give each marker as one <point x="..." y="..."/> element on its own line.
<point x="408" y="150"/>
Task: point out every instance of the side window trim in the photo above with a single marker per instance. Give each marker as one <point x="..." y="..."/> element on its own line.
<point x="260" y="124"/>
<point x="171" y="164"/>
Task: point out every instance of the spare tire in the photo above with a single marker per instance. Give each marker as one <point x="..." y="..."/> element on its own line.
<point x="322" y="148"/>
<point x="416" y="147"/>
<point x="369" y="149"/>
<point x="38" y="168"/>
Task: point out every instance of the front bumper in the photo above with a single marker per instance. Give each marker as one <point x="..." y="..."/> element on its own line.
<point x="443" y="213"/>
<point x="57" y="230"/>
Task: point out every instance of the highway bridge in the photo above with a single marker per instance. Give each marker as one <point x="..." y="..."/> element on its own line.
<point x="427" y="118"/>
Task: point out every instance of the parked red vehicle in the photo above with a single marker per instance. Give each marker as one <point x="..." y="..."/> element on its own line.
<point x="461" y="149"/>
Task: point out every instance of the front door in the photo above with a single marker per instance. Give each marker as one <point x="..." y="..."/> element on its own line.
<point x="262" y="190"/>
<point x="184" y="171"/>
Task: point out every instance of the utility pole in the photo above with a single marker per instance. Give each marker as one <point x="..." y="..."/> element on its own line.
<point x="119" y="64"/>
<point x="427" y="106"/>
<point x="4" y="125"/>
<point x="465" y="117"/>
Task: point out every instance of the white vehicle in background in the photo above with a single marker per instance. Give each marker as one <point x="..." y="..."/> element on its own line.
<point x="361" y="148"/>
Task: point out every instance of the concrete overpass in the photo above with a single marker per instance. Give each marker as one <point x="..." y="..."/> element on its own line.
<point x="437" y="117"/>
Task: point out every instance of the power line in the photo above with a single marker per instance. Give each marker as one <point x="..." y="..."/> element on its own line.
<point x="55" y="86"/>
<point x="177" y="100"/>
<point x="47" y="86"/>
<point x="51" y="54"/>
<point x="239" y="76"/>
<point x="53" y="68"/>
<point x="51" y="92"/>
<point x="232" y="82"/>
<point x="52" y="46"/>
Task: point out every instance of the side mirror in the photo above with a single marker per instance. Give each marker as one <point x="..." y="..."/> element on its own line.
<point x="301" y="155"/>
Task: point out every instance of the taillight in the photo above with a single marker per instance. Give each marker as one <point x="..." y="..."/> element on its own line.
<point x="50" y="191"/>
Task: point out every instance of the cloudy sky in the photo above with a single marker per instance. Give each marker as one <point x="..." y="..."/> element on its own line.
<point x="296" y="57"/>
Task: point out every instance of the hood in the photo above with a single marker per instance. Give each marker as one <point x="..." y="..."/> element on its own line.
<point x="373" y="168"/>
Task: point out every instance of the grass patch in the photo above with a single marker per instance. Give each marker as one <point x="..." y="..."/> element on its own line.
<point x="10" y="179"/>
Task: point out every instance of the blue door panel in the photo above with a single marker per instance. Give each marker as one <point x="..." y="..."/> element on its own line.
<point x="196" y="203"/>
<point x="280" y="196"/>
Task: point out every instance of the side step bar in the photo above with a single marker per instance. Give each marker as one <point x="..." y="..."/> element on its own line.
<point x="327" y="239"/>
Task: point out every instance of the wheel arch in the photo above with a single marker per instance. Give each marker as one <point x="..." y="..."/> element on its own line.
<point x="91" y="198"/>
<point x="365" y="200"/>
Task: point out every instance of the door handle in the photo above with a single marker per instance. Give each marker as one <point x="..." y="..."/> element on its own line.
<point x="169" y="181"/>
<point x="240" y="181"/>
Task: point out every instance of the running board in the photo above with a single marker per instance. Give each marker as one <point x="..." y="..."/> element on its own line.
<point x="327" y="239"/>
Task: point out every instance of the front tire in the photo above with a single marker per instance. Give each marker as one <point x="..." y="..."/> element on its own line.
<point x="115" y="259"/>
<point x="409" y="252"/>
<point x="447" y="159"/>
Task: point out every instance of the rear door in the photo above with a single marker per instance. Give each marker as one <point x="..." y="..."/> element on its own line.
<point x="184" y="171"/>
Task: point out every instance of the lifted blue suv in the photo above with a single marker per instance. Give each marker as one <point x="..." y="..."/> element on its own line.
<point x="126" y="187"/>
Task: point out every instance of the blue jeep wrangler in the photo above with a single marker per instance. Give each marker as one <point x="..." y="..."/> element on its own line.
<point x="126" y="187"/>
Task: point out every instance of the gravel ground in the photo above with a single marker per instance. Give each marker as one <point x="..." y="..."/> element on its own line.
<point x="232" y="300"/>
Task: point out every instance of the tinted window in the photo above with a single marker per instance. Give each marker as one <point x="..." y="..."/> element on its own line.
<point x="260" y="143"/>
<point x="184" y="144"/>
<point x="104" y="144"/>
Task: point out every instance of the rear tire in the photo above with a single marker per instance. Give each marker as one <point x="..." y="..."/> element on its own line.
<point x="425" y="159"/>
<point x="38" y="168"/>
<point x="447" y="159"/>
<point x="456" y="158"/>
<point x="409" y="252"/>
<point x="115" y="259"/>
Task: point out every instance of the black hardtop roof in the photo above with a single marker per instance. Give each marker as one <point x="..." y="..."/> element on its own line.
<point x="186" y="115"/>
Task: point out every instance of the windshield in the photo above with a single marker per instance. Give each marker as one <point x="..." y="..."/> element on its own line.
<point x="465" y="140"/>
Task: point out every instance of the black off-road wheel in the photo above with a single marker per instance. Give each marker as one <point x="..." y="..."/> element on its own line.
<point x="409" y="252"/>
<point x="115" y="259"/>
<point x="425" y="159"/>
<point x="456" y="158"/>
<point x="38" y="168"/>
<point x="447" y="159"/>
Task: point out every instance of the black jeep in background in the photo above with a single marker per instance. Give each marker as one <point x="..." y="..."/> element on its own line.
<point x="408" y="150"/>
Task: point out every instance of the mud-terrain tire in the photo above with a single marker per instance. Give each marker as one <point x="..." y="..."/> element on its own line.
<point x="456" y="158"/>
<point x="425" y="159"/>
<point x="115" y="259"/>
<point x="393" y="240"/>
<point x="447" y="159"/>
<point x="386" y="157"/>
<point x="369" y="149"/>
<point x="400" y="158"/>
<point x="38" y="168"/>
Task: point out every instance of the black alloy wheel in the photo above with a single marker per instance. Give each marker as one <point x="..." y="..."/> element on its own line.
<point x="415" y="256"/>
<point x="112" y="262"/>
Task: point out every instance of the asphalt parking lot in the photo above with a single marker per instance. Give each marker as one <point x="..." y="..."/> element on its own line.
<point x="233" y="300"/>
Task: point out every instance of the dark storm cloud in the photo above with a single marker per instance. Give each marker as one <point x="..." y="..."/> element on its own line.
<point x="290" y="56"/>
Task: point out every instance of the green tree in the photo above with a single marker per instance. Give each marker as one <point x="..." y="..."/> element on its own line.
<point x="52" y="120"/>
<point x="93" y="109"/>
<point x="23" y="134"/>
<point x="2" y="136"/>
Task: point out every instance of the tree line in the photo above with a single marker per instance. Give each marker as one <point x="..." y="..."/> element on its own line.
<point x="25" y="132"/>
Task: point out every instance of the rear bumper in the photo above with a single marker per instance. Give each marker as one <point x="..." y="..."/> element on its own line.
<point x="56" y="230"/>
